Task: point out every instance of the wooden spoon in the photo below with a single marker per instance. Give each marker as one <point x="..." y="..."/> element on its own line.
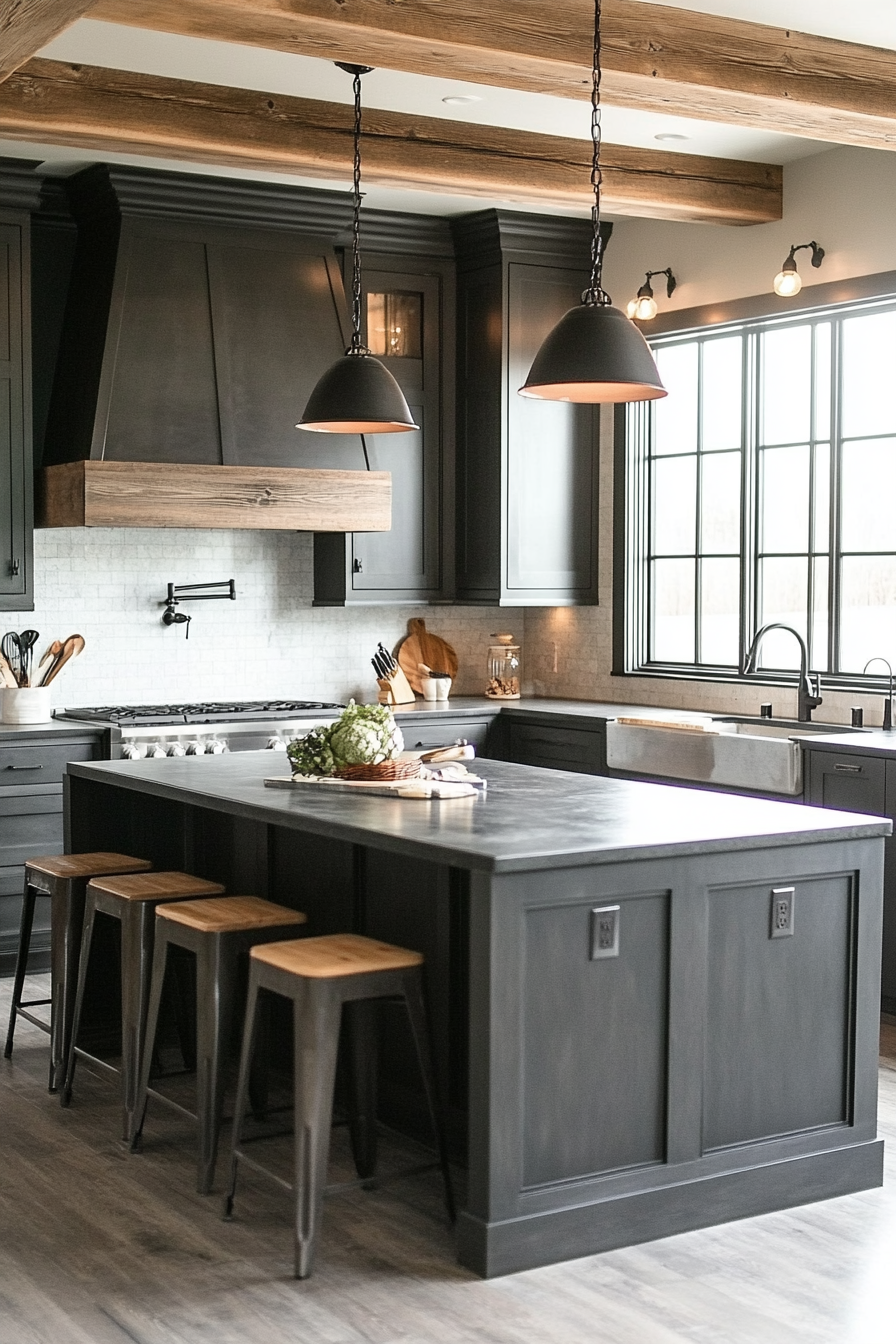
<point x="7" y="676"/>
<point x="50" y="653"/>
<point x="70" y="649"/>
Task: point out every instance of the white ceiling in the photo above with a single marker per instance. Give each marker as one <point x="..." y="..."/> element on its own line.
<point x="141" y="50"/>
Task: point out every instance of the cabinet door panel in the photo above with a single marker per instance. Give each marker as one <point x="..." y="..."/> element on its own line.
<point x="577" y="749"/>
<point x="15" y="487"/>
<point x="552" y="457"/>
<point x="848" y="783"/>
<point x="277" y="329"/>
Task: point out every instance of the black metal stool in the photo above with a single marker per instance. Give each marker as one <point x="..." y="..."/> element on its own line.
<point x="62" y="879"/>
<point x="320" y="975"/>
<point x="220" y="932"/>
<point x="132" y="900"/>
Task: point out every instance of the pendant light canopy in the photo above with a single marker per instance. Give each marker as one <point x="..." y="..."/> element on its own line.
<point x="357" y="394"/>
<point x="594" y="353"/>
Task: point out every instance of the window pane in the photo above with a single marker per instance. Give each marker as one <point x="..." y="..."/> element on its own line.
<point x="674" y="506"/>
<point x="823" y="380"/>
<point x="786" y="385"/>
<point x="720" y="504"/>
<point x="784" y="499"/>
<point x="676" y="415"/>
<point x="821" y="539"/>
<point x="719" y="612"/>
<point x="867" y="610"/>
<point x="868" y="520"/>
<point x="673" y="611"/>
<point x="722" y="378"/>
<point x="783" y="596"/>
<point x="819" y="646"/>
<point x="869" y="357"/>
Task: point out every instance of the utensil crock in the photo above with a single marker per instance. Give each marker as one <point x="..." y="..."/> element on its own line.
<point x="25" y="704"/>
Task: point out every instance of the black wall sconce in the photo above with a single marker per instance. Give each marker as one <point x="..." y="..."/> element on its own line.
<point x="643" y="307"/>
<point x="197" y="592"/>
<point x="787" y="282"/>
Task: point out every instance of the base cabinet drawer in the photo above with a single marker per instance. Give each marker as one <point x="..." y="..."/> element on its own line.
<point x="443" y="732"/>
<point x="578" y="749"/>
<point x="30" y="826"/>
<point x="41" y="763"/>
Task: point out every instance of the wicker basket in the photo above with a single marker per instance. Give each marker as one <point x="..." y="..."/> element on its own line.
<point x="385" y="770"/>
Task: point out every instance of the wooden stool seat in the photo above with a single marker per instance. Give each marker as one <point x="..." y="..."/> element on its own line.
<point x="132" y="900"/>
<point x="336" y="955"/>
<point x="220" y="932"/>
<point x="70" y="867"/>
<point x="155" y="886"/>
<point x="332" y="981"/>
<point x="62" y="879"/>
<point x="229" y="914"/>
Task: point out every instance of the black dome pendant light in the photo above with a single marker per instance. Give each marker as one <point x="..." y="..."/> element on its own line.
<point x="357" y="394"/>
<point x="594" y="353"/>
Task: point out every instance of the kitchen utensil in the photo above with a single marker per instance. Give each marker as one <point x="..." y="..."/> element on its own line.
<point x="9" y="646"/>
<point x="70" y="649"/>
<point x="7" y="676"/>
<point x="27" y="641"/>
<point x="457" y="751"/>
<point x="50" y="653"/>
<point x="420" y="646"/>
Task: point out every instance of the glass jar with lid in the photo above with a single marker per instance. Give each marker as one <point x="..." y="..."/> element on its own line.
<point x="503" y="668"/>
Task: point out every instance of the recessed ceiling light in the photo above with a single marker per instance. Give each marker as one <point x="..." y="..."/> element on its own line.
<point x="671" y="135"/>
<point x="459" y="99"/>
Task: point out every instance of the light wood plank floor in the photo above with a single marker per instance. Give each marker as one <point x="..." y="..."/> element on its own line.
<point x="98" y="1246"/>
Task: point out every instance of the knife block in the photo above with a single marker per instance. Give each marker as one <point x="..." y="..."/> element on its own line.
<point x="395" y="690"/>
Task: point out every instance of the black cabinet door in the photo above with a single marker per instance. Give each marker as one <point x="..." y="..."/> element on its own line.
<point x="551" y="486"/>
<point x="848" y="783"/>
<point x="556" y="747"/>
<point x="405" y="564"/>
<point x="15" y="418"/>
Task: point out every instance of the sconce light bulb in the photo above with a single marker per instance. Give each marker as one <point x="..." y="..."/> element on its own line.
<point x="646" y="308"/>
<point x="632" y="307"/>
<point x="788" y="283"/>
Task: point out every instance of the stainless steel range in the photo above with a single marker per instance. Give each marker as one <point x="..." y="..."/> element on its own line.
<point x="135" y="731"/>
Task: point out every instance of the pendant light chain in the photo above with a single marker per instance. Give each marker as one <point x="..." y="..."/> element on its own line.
<point x="356" y="347"/>
<point x="594" y="294"/>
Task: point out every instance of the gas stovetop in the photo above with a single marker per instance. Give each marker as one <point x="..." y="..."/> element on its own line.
<point x="245" y="711"/>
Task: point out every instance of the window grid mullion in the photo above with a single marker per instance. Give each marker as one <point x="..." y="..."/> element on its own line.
<point x="834" y="548"/>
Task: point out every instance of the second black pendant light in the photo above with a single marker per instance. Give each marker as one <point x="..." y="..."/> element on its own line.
<point x="357" y="394"/>
<point x="594" y="353"/>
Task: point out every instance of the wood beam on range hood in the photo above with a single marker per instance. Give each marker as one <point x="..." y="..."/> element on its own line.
<point x="150" y="494"/>
<point x="655" y="57"/>
<point x="28" y="25"/>
<point x="109" y="111"/>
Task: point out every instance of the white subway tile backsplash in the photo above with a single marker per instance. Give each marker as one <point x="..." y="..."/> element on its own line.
<point x="109" y="585"/>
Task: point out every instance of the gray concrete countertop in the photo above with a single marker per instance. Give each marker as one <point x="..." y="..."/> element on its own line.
<point x="55" y="728"/>
<point x="871" y="742"/>
<point x="528" y="819"/>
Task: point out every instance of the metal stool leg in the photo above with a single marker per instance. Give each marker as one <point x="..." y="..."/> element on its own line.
<point x="247" y="1051"/>
<point x="159" y="961"/>
<point x="216" y="985"/>
<point x="316" y="1015"/>
<point x="28" y="901"/>
<point x="361" y="1018"/>
<point x="67" y="921"/>
<point x="137" y="942"/>
<point x="65" y="1095"/>
<point x="419" y="1018"/>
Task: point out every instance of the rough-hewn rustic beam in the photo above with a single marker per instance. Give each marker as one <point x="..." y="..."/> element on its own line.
<point x="654" y="57"/>
<point x="110" y="110"/>
<point x="28" y="25"/>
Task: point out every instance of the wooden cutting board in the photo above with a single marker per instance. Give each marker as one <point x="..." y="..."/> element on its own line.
<point x="419" y="646"/>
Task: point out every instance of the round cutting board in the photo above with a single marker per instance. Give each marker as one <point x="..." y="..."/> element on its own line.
<point x="419" y="646"/>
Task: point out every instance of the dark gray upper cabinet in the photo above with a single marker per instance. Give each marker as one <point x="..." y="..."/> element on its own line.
<point x="527" y="471"/>
<point x="200" y="315"/>
<point x="412" y="563"/>
<point x="18" y="187"/>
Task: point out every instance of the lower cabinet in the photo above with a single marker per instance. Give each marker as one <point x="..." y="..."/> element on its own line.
<point x="555" y="746"/>
<point x="426" y="734"/>
<point x="853" y="783"/>
<point x="31" y="824"/>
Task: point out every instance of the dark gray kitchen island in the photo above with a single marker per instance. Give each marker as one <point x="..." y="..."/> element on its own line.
<point x="655" y="1009"/>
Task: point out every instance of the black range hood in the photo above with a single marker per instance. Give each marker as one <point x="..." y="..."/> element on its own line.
<point x="200" y="314"/>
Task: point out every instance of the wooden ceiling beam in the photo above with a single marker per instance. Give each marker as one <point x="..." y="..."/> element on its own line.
<point x="28" y="25"/>
<point x="106" y="111"/>
<point x="655" y="57"/>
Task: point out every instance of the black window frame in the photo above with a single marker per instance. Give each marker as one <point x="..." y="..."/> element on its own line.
<point x="631" y="598"/>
